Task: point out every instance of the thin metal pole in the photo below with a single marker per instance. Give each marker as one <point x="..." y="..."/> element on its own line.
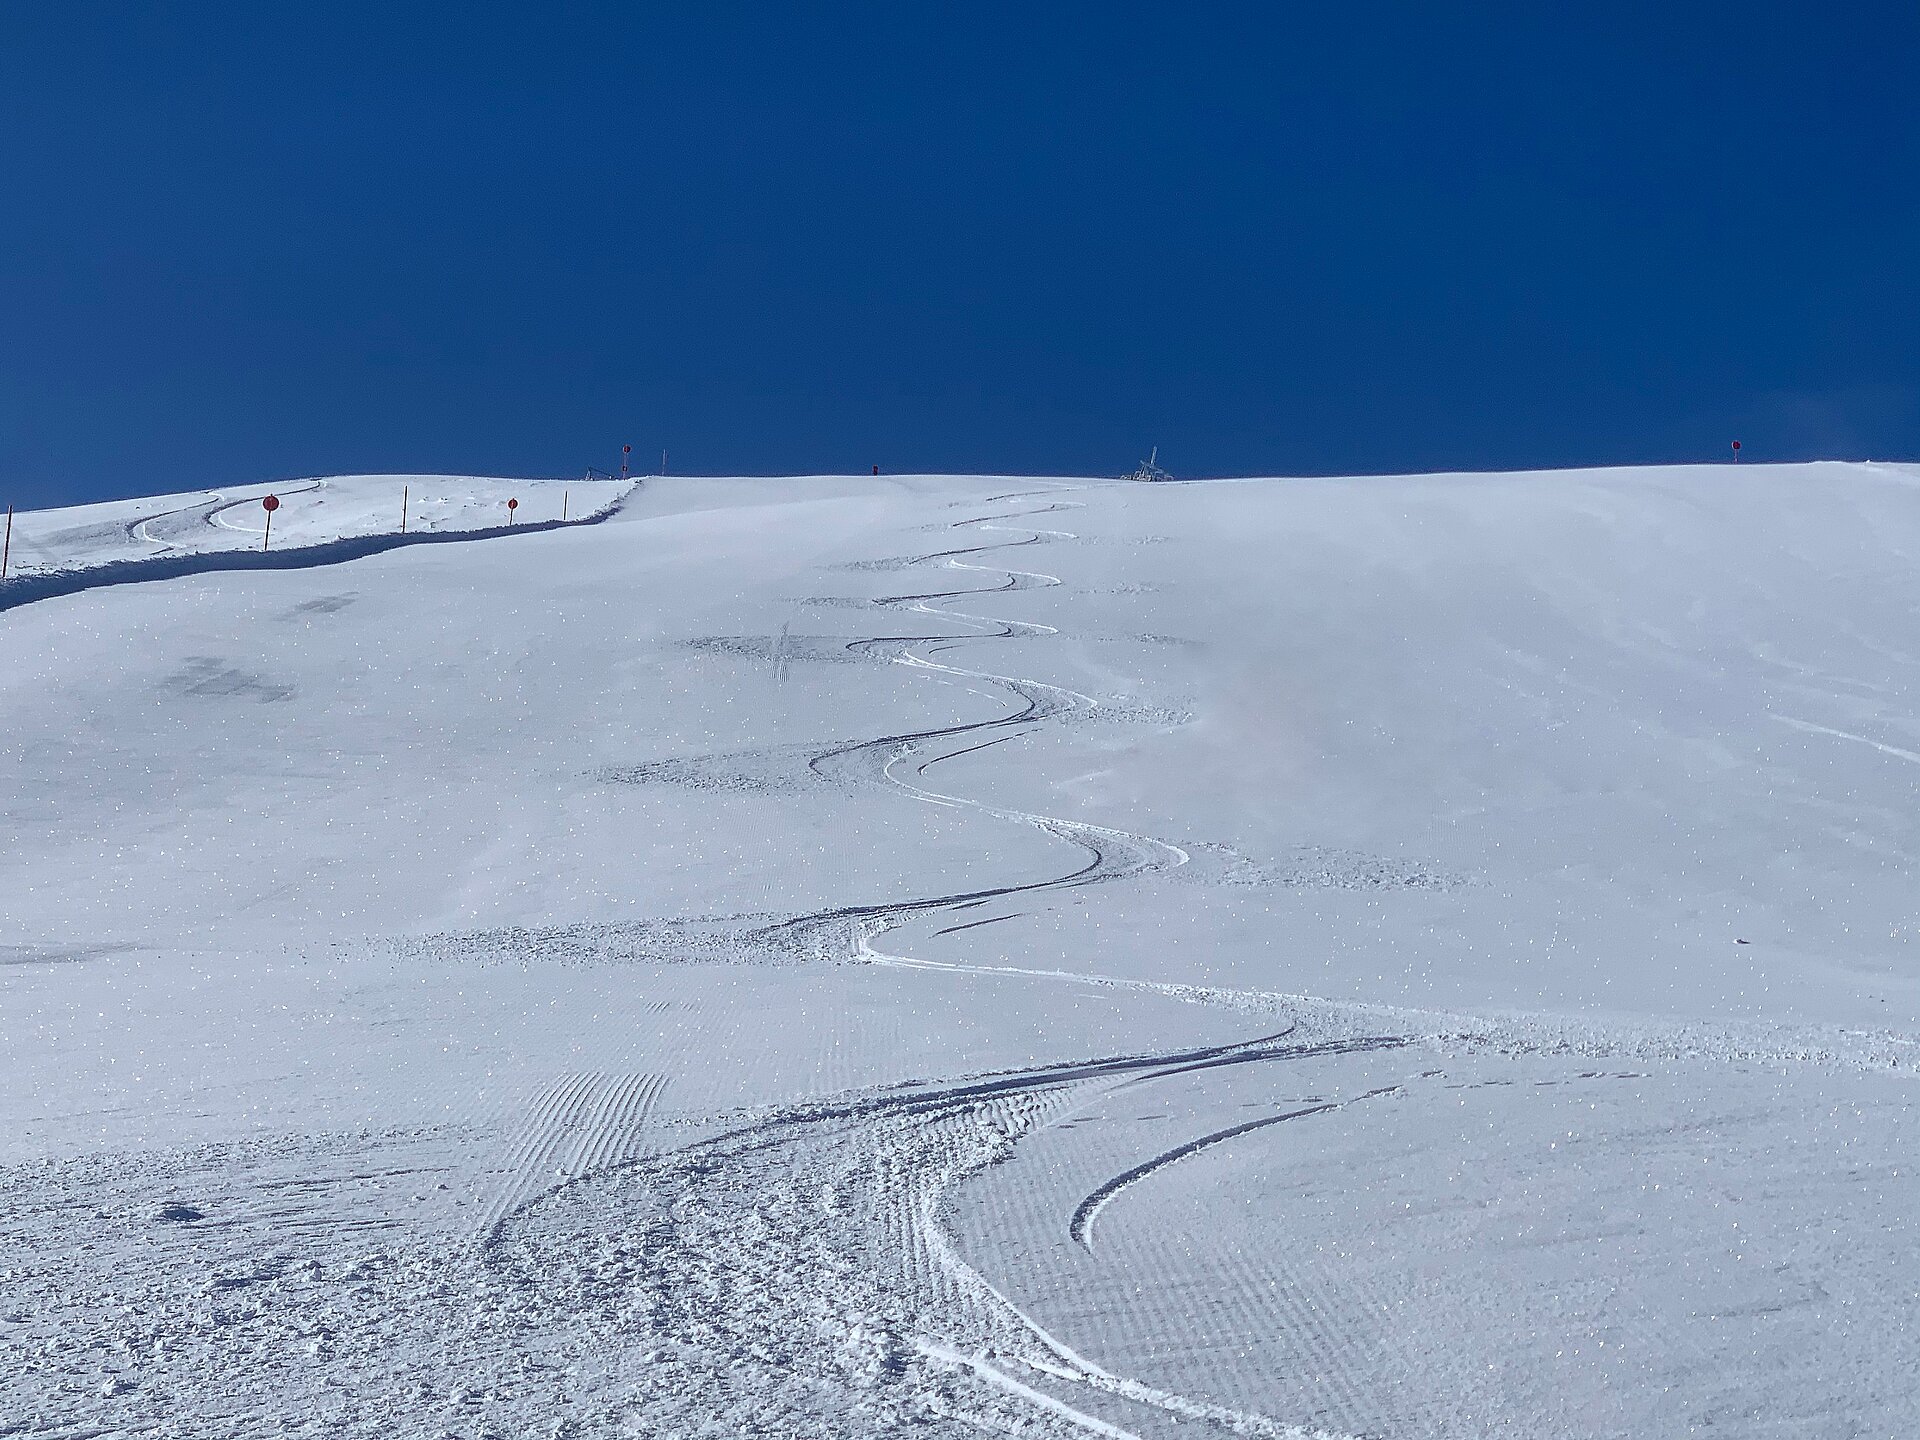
<point x="563" y="503"/>
<point x="264" y="539"/>
<point x="6" y="550"/>
<point x="404" y="490"/>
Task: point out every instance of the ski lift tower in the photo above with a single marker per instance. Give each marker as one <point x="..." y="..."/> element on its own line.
<point x="1150" y="468"/>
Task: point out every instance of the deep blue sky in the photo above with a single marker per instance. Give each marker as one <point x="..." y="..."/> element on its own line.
<point x="245" y="241"/>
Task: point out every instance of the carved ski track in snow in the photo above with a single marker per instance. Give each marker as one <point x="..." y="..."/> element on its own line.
<point x="1808" y="727"/>
<point x="137" y="529"/>
<point x="213" y="516"/>
<point x="1080" y="1227"/>
<point x="1111" y="854"/>
<point x="825" y="1218"/>
<point x="825" y="1221"/>
<point x="208" y="512"/>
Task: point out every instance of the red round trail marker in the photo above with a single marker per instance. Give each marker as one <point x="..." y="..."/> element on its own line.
<point x="270" y="504"/>
<point x="513" y="504"/>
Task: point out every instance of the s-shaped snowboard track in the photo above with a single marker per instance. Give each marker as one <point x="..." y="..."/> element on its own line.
<point x="208" y="511"/>
<point x="796" y="1271"/>
<point x="1109" y="854"/>
<point x="167" y="561"/>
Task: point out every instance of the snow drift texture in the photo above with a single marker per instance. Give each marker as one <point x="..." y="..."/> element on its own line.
<point x="1403" y="957"/>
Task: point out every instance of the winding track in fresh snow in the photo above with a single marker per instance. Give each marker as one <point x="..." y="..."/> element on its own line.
<point x="1080" y="1227"/>
<point x="212" y="517"/>
<point x="209" y="511"/>
<point x="137" y="529"/>
<point x="40" y="585"/>
<point x="912" y="1147"/>
<point x="826" y="1218"/>
<point x="1111" y="854"/>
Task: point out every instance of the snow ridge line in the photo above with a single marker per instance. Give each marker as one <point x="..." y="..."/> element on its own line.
<point x="19" y="590"/>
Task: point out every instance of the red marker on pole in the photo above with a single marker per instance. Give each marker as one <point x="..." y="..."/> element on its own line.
<point x="512" y="505"/>
<point x="1736" y="452"/>
<point x="270" y="504"/>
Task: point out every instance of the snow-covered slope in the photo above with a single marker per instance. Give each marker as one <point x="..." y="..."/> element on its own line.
<point x="312" y="511"/>
<point x="1420" y="956"/>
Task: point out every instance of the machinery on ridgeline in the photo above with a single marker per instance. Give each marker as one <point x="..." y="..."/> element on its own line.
<point x="1149" y="469"/>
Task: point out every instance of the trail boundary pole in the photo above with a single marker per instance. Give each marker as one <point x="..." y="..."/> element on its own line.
<point x="270" y="504"/>
<point x="6" y="549"/>
<point x="405" y="495"/>
<point x="564" y="494"/>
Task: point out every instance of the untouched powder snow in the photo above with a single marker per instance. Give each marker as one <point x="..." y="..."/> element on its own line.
<point x="1424" y="956"/>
